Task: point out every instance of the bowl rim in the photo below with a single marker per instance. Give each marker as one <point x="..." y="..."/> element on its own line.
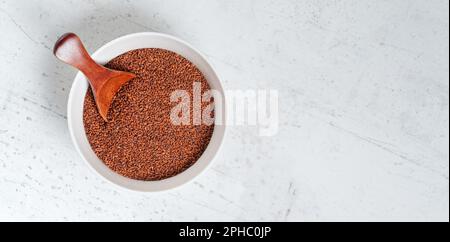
<point x="75" y="141"/>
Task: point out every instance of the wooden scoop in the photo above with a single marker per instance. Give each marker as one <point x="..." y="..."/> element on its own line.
<point x="105" y="83"/>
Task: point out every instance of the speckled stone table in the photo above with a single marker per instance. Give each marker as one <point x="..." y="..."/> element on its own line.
<point x="363" y="110"/>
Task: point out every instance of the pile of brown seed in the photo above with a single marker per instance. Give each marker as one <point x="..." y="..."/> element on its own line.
<point x="139" y="141"/>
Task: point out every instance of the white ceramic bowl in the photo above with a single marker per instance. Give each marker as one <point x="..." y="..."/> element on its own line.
<point x="78" y="91"/>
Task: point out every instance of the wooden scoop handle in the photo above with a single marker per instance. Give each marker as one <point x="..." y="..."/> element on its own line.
<point x="69" y="49"/>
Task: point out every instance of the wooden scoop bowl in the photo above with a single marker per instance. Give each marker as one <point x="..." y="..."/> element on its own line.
<point x="105" y="83"/>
